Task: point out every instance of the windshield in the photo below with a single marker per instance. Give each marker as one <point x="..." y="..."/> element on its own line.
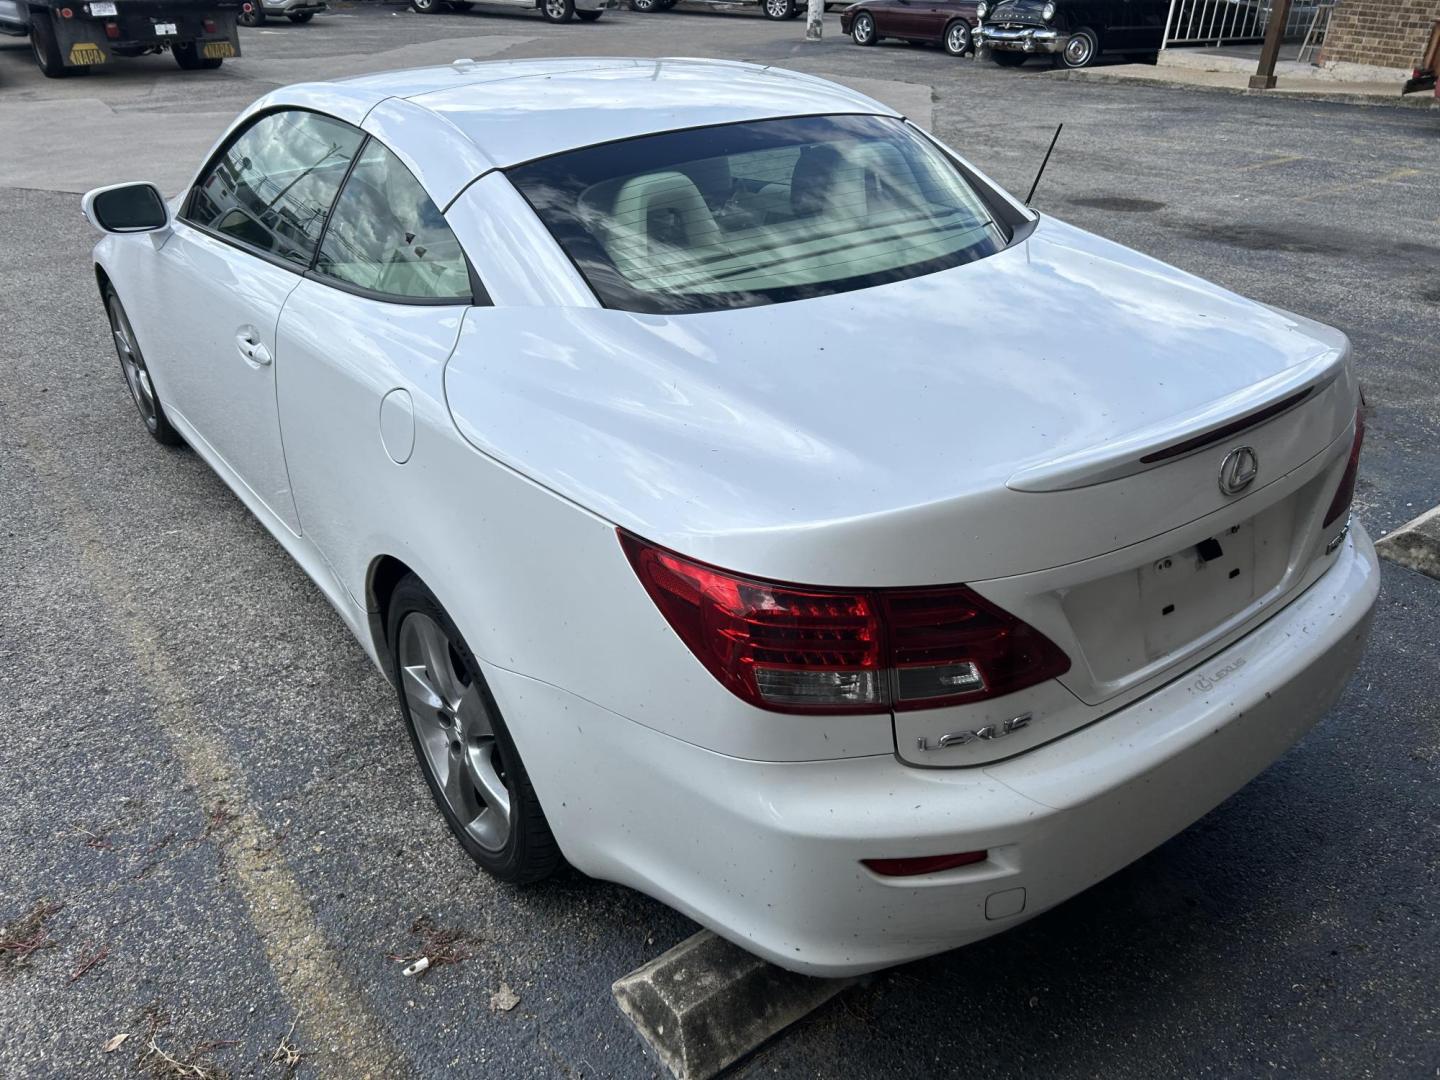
<point x="758" y="213"/>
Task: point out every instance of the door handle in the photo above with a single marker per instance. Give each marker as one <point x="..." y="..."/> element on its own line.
<point x="247" y="340"/>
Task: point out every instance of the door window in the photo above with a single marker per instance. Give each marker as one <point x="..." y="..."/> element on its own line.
<point x="387" y="237"/>
<point x="273" y="186"/>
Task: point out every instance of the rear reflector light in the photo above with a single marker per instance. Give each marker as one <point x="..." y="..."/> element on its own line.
<point x="1345" y="493"/>
<point x="794" y="648"/>
<point x="924" y="864"/>
<point x="208" y="25"/>
<point x="112" y="30"/>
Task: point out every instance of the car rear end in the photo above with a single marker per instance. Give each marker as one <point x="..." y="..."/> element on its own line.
<point x="933" y="599"/>
<point x="90" y="33"/>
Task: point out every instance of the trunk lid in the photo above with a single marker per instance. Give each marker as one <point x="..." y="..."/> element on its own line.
<point x="932" y="430"/>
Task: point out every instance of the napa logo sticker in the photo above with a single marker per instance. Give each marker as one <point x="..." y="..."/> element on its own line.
<point x="84" y="53"/>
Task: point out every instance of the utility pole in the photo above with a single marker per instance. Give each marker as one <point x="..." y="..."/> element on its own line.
<point x="814" y="20"/>
<point x="1264" y="77"/>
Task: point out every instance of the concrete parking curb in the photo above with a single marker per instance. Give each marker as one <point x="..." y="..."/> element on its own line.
<point x="1415" y="544"/>
<point x="1117" y="75"/>
<point x="707" y="1003"/>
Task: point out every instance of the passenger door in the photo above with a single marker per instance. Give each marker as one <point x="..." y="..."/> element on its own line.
<point x="245" y="237"/>
<point x="365" y="338"/>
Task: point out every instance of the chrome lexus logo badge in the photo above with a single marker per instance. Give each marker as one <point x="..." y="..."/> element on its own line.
<point x="1237" y="471"/>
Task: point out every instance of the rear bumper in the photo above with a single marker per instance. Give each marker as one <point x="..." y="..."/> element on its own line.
<point x="83" y="41"/>
<point x="768" y="854"/>
<point x="1030" y="39"/>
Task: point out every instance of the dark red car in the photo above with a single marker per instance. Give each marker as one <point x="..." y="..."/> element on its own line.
<point x="948" y="23"/>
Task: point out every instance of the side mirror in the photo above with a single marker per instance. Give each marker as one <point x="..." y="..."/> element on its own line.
<point x="125" y="208"/>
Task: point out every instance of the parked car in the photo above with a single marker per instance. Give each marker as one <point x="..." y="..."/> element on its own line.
<point x="1074" y="32"/>
<point x="646" y="450"/>
<point x="556" y="11"/>
<point x="255" y="12"/>
<point x="771" y="9"/>
<point x="947" y="23"/>
<point x="69" y="38"/>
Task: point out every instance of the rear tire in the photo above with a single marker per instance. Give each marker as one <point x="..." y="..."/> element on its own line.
<point x="301" y="16"/>
<point x="778" y="9"/>
<point x="464" y="749"/>
<point x="1008" y="59"/>
<point x="45" y="50"/>
<point x="187" y="55"/>
<point x="252" y="18"/>
<point x="957" y="38"/>
<point x="862" y="30"/>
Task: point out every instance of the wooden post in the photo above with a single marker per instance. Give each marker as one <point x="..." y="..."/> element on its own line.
<point x="1264" y="77"/>
<point x="814" y="20"/>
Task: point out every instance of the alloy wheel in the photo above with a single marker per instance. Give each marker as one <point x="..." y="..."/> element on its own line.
<point x="778" y="9"/>
<point x="957" y="39"/>
<point x="132" y="363"/>
<point x="555" y="9"/>
<point x="455" y="731"/>
<point x="863" y="30"/>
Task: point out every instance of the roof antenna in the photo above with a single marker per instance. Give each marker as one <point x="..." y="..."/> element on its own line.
<point x="1036" y="184"/>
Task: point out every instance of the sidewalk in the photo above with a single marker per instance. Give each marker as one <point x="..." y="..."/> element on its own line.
<point x="1227" y="72"/>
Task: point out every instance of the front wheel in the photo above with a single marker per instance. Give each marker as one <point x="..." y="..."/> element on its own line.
<point x="1081" y="49"/>
<point x="1007" y="59"/>
<point x="778" y="9"/>
<point x="558" y="11"/>
<point x="862" y="30"/>
<point x="957" y="38"/>
<point x="137" y="375"/>
<point x="588" y="16"/>
<point x="251" y="14"/>
<point x="188" y="57"/>
<point x="464" y="749"/>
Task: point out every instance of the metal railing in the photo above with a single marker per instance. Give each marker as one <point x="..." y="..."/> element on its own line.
<point x="1232" y="22"/>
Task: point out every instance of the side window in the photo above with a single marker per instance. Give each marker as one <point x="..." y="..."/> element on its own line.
<point x="274" y="184"/>
<point x="387" y="236"/>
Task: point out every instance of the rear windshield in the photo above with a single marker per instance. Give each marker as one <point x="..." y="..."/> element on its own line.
<point x="758" y="213"/>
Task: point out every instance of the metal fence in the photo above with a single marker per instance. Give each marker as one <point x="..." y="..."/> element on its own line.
<point x="1233" y="22"/>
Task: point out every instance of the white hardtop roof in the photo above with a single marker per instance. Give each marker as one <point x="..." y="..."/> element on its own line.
<point x="516" y="110"/>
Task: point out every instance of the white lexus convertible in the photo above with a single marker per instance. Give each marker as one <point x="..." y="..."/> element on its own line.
<point x="749" y="500"/>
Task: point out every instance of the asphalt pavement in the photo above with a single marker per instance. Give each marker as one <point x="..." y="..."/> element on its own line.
<point x="214" y="839"/>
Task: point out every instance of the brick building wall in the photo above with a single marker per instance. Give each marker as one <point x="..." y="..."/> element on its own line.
<point x="1386" y="33"/>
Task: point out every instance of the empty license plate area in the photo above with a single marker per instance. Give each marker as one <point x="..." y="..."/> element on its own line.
<point x="1186" y="594"/>
<point x="1165" y="607"/>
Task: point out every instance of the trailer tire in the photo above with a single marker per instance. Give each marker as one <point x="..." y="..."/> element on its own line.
<point x="45" y="50"/>
<point x="187" y="55"/>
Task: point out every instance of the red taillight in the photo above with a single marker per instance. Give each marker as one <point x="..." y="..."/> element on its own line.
<point x="112" y="30"/>
<point x="67" y="13"/>
<point x="208" y="25"/>
<point x="1346" y="491"/>
<point x="923" y="864"/>
<point x="792" y="648"/>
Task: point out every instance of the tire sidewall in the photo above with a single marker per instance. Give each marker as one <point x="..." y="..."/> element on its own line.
<point x="966" y="43"/>
<point x="567" y="14"/>
<point x="869" y="20"/>
<point x="507" y="864"/>
<point x="1094" y="40"/>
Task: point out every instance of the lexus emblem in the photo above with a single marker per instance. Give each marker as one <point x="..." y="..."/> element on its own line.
<point x="1237" y="471"/>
